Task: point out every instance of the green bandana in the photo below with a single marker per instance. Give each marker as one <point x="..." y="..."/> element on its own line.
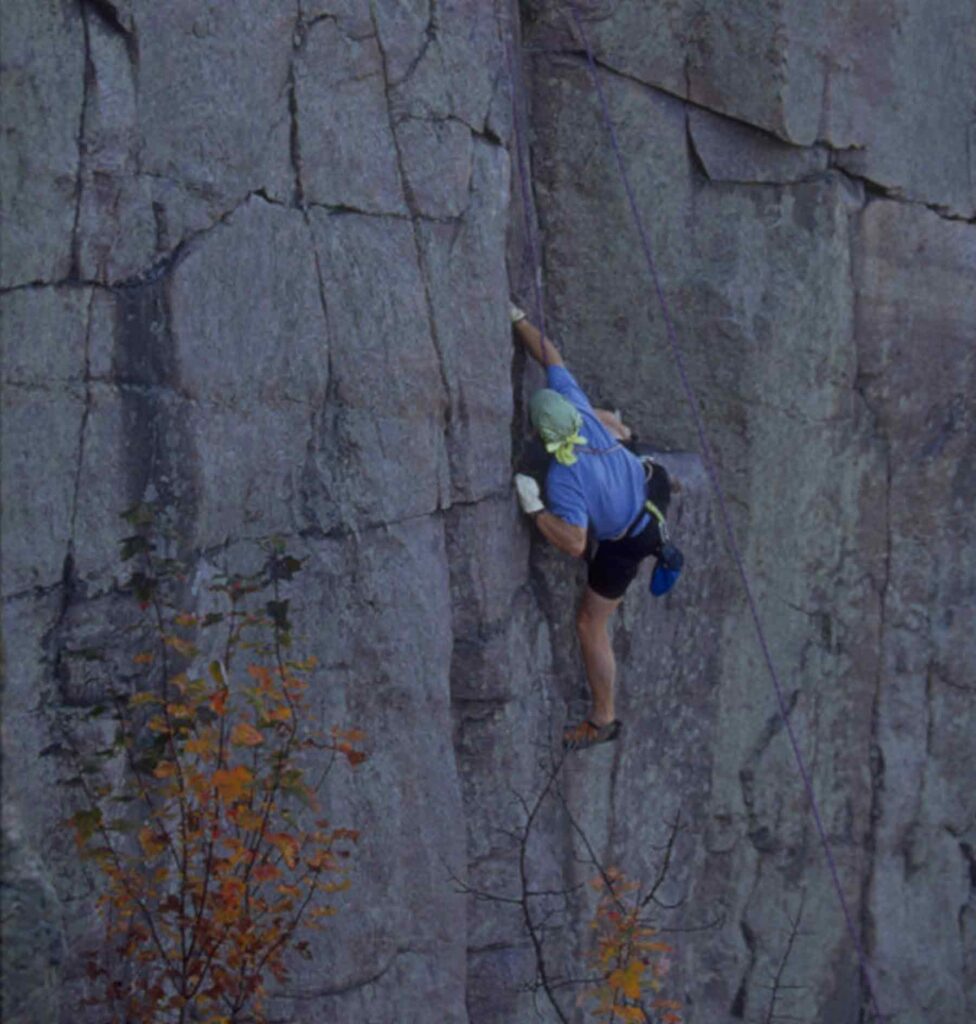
<point x="558" y="422"/>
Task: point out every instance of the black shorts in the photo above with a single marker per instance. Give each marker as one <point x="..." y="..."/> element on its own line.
<point x="615" y="562"/>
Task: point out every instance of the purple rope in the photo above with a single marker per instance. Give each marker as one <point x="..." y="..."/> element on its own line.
<point x="733" y="547"/>
<point x="520" y="118"/>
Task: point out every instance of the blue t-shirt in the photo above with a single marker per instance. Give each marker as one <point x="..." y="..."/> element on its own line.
<point x="604" y="488"/>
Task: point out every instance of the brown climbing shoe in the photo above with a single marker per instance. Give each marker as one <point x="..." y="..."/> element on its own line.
<point x="588" y="734"/>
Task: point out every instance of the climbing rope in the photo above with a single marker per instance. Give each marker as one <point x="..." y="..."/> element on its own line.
<point x="533" y="248"/>
<point x="707" y="458"/>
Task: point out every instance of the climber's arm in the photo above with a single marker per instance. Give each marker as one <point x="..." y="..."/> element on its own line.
<point x="614" y="424"/>
<point x="570" y="539"/>
<point x="531" y="337"/>
<point x="561" y="534"/>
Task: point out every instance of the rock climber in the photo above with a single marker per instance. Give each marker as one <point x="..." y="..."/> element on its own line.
<point x="594" y="484"/>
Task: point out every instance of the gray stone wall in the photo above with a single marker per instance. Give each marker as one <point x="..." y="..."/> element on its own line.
<point x="255" y="261"/>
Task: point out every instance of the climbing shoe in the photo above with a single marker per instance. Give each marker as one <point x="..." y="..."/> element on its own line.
<point x="587" y="734"/>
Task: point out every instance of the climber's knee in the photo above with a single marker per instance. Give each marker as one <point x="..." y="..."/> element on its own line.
<point x="592" y="615"/>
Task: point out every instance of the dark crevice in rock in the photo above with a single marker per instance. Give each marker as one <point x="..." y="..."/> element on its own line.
<point x="164" y="266"/>
<point x="265" y="196"/>
<point x="738" y="1008"/>
<point x="82" y="429"/>
<point x="487" y="136"/>
<point x="429" y="118"/>
<point x="311" y="477"/>
<point x="88" y="83"/>
<point x="430" y="36"/>
<point x="876" y="761"/>
<point x="309" y="483"/>
<point x="969" y="855"/>
<point x="319" y="18"/>
<point x="339" y="209"/>
<point x="503" y="495"/>
<point x="876" y="753"/>
<point x="498" y="947"/>
<point x="930" y="750"/>
<point x="695" y="161"/>
<point x="158" y="448"/>
<point x="90" y="592"/>
<point x="69" y="590"/>
<point x="36" y="592"/>
<point x="68" y="282"/>
<point x="775" y="724"/>
<point x="306" y="25"/>
<point x="116" y="21"/>
<point x="579" y="58"/>
<point x="163" y="241"/>
<point x="875" y="190"/>
<point x="345" y="530"/>
<point x="294" y="140"/>
<point x="110" y="15"/>
<point x="535" y="227"/>
<point x="460" y="702"/>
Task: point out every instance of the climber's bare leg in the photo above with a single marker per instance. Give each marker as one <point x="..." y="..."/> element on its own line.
<point x="592" y="619"/>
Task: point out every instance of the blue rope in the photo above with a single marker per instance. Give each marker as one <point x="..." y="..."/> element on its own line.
<point x="733" y="547"/>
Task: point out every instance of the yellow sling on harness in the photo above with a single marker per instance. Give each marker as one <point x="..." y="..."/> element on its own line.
<point x="659" y="516"/>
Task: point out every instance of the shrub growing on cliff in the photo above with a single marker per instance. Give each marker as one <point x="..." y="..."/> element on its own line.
<point x="201" y="815"/>
<point x="629" y="961"/>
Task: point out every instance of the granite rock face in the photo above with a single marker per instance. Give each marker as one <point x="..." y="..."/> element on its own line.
<point x="254" y="266"/>
<point x="887" y="85"/>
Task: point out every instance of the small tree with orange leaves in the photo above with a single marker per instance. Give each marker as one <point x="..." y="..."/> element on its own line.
<point x="202" y="816"/>
<point x="629" y="959"/>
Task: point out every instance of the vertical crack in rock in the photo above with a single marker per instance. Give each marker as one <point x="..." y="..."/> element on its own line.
<point x="158" y="452"/>
<point x="294" y="137"/>
<point x="430" y="36"/>
<point x="69" y="583"/>
<point x="876" y="754"/>
<point x="410" y="199"/>
<point x="964" y="922"/>
<point x="741" y="999"/>
<point x="969" y="856"/>
<point x="108" y="17"/>
<point x="122" y="24"/>
<point x="930" y="750"/>
<point x="82" y="430"/>
<point x="310" y="474"/>
<point x="695" y="160"/>
<point x="111" y="16"/>
<point x="88" y="82"/>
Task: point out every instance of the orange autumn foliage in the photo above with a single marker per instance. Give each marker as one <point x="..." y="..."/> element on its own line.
<point x="630" y="961"/>
<point x="220" y="857"/>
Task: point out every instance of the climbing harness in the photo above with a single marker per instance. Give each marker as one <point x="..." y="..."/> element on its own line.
<point x="724" y="515"/>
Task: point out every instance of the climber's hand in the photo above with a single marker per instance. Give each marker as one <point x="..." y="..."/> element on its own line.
<point x="515" y="314"/>
<point x="528" y="494"/>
